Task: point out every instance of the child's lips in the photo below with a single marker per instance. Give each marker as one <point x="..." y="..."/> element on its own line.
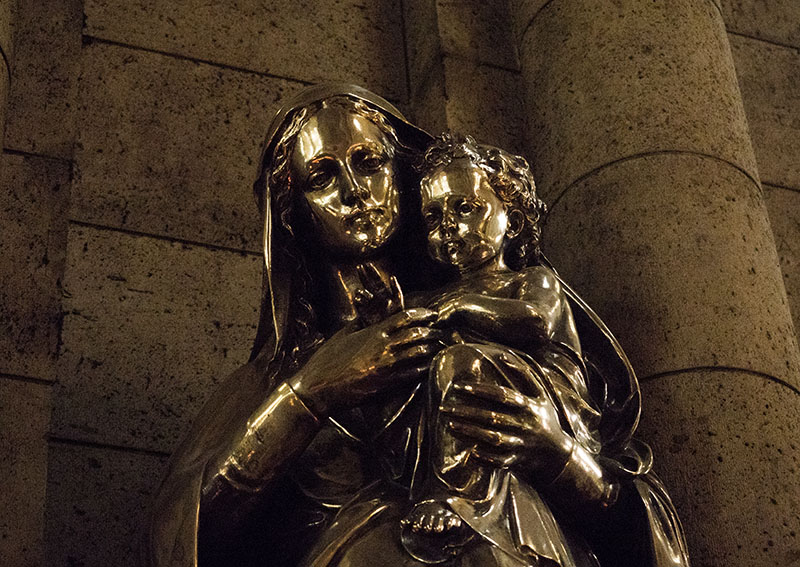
<point x="452" y="247"/>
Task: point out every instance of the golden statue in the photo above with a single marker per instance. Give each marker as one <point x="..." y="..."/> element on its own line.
<point x="423" y="387"/>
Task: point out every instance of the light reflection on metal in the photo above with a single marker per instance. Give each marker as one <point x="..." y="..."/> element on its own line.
<point x="406" y="408"/>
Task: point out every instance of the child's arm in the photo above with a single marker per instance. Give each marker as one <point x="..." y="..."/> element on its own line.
<point x="526" y="319"/>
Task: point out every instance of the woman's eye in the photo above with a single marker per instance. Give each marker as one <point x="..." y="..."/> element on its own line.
<point x="320" y="176"/>
<point x="368" y="162"/>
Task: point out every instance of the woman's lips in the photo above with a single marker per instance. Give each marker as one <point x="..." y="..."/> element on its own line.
<point x="363" y="220"/>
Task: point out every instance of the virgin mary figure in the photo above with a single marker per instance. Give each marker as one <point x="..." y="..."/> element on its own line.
<point x="305" y="455"/>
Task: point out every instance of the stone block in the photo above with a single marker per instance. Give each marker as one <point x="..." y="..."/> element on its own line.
<point x="171" y="147"/>
<point x="24" y="417"/>
<point x="769" y="78"/>
<point x="98" y="504"/>
<point x="676" y="254"/>
<point x="150" y="328"/>
<point x="4" y="84"/>
<point x="610" y="80"/>
<point x="523" y="13"/>
<point x="329" y="40"/>
<point x="784" y="217"/>
<point x="423" y="45"/>
<point x="429" y="102"/>
<point x="485" y="102"/>
<point x="7" y="13"/>
<point x="776" y="20"/>
<point x="726" y="446"/>
<point x="33" y="200"/>
<point x="41" y="105"/>
<point x="479" y="31"/>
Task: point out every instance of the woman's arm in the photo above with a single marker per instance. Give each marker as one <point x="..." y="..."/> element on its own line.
<point x="344" y="372"/>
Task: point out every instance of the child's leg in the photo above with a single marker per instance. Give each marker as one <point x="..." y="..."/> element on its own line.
<point x="451" y="467"/>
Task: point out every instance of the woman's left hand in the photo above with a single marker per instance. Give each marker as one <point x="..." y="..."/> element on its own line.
<point x="508" y="429"/>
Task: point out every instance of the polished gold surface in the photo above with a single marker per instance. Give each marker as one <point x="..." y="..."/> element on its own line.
<point x="399" y="413"/>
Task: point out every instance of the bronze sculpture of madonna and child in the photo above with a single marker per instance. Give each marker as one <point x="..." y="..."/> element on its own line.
<point x="423" y="387"/>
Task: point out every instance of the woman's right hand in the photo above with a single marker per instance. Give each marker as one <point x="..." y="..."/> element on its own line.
<point x="351" y="366"/>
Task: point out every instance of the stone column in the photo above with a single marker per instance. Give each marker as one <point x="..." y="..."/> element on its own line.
<point x="640" y="146"/>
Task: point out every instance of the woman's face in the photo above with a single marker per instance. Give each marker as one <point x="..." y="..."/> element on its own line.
<point x="345" y="169"/>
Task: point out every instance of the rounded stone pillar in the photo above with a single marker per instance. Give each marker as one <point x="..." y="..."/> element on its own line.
<point x="640" y="147"/>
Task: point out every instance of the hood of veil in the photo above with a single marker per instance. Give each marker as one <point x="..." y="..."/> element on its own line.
<point x="276" y="286"/>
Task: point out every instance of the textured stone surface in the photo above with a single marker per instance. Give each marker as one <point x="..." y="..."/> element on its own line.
<point x="169" y="146"/>
<point x="3" y="95"/>
<point x="608" y="80"/>
<point x="784" y="217"/>
<point x="479" y="31"/>
<point x="485" y="102"/>
<point x="769" y="78"/>
<point x="524" y="12"/>
<point x="7" y="13"/>
<point x="150" y="327"/>
<point x="41" y="115"/>
<point x="727" y="446"/>
<point x="33" y="198"/>
<point x="461" y="72"/>
<point x="482" y="101"/>
<point x="676" y="254"/>
<point x="24" y="416"/>
<point x="776" y="20"/>
<point x="424" y="47"/>
<point x="97" y="505"/>
<point x="341" y="40"/>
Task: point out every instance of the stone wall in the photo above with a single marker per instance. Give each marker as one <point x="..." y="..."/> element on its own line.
<point x="130" y="272"/>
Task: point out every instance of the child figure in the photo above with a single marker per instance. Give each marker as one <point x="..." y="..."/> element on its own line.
<point x="508" y="403"/>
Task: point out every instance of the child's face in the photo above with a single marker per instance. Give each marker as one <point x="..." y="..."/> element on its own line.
<point x="466" y="220"/>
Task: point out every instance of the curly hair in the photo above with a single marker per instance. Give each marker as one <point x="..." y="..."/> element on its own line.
<point x="512" y="180"/>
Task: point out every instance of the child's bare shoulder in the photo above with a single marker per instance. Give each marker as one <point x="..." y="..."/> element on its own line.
<point x="537" y="279"/>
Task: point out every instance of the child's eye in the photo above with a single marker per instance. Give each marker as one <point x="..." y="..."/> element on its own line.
<point x="464" y="208"/>
<point x="432" y="219"/>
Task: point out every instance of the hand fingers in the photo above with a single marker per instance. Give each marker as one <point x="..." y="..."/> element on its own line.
<point x="370" y="276"/>
<point x="410" y="317"/>
<point x="493" y="393"/>
<point x="397" y="293"/>
<point x="411" y="373"/>
<point x="421" y="351"/>
<point x="410" y="336"/>
<point x="493" y="458"/>
<point x="486" y="418"/>
<point x="362" y="296"/>
<point x="474" y="433"/>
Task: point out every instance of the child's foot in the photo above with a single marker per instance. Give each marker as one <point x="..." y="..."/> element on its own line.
<point x="432" y="517"/>
<point x="433" y="533"/>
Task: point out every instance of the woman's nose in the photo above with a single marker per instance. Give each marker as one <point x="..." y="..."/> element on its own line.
<point x="351" y="190"/>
